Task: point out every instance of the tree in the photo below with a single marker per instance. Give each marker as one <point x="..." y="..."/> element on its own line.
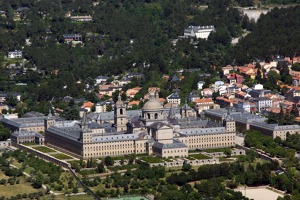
<point x="258" y="75"/>
<point x="71" y="103"/>
<point x="75" y="190"/>
<point x="37" y="183"/>
<point x="227" y="152"/>
<point x="4" y="133"/>
<point x="215" y="95"/>
<point x="108" y="108"/>
<point x="109" y="161"/>
<point x="186" y="166"/>
<point x="296" y="67"/>
<point x="71" y="113"/>
<point x="3" y="181"/>
<point x="11" y="101"/>
<point x="101" y="168"/>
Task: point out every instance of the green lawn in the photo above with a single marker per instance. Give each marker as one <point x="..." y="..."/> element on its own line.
<point x="193" y="151"/>
<point x="222" y="159"/>
<point x="16" y="163"/>
<point x="44" y="149"/>
<point x="200" y="156"/>
<point x="80" y="197"/>
<point x="63" y="197"/>
<point x="123" y="167"/>
<point x="216" y="150"/>
<point x="152" y="159"/>
<point x="129" y="198"/>
<point x="61" y="156"/>
<point x="88" y="172"/>
<point x="118" y="157"/>
<point x="29" y="143"/>
<point x="3" y="176"/>
<point x="257" y="160"/>
<point x="13" y="190"/>
<point x="100" y="187"/>
<point x="168" y="159"/>
<point x="9" y="61"/>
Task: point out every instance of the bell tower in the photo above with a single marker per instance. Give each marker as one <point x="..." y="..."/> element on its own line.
<point x="49" y="121"/>
<point x="120" y="119"/>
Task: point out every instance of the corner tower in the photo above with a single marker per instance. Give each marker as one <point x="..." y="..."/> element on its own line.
<point x="120" y="119"/>
<point x="49" y="121"/>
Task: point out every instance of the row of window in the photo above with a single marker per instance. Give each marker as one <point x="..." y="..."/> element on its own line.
<point x="212" y="145"/>
<point x="116" y="146"/>
<point x="111" y="153"/>
<point x="210" y="140"/>
<point x="175" y="151"/>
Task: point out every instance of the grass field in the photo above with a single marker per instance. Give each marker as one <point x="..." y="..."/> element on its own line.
<point x="44" y="149"/>
<point x="3" y="176"/>
<point x="13" y="190"/>
<point x="152" y="159"/>
<point x="257" y="160"/>
<point x="216" y="150"/>
<point x="80" y="197"/>
<point x="29" y="144"/>
<point x="61" y="156"/>
<point x="129" y="198"/>
<point x="200" y="156"/>
<point x="63" y="197"/>
<point x="223" y="159"/>
<point x="16" y="163"/>
<point x="100" y="187"/>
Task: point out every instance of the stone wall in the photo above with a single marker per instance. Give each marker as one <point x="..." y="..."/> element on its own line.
<point x="43" y="156"/>
<point x="179" y="162"/>
<point x="4" y="144"/>
<point x="234" y="152"/>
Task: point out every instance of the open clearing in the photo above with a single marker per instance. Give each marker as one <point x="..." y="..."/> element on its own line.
<point x="13" y="190"/>
<point x="259" y="193"/>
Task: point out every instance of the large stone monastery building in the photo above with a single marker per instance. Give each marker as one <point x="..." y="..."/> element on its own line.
<point x="152" y="131"/>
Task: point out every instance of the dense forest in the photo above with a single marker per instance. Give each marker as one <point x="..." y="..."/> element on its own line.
<point x="133" y="36"/>
<point x="276" y="33"/>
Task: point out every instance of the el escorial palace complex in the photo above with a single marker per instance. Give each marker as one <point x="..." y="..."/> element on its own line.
<point x="153" y="130"/>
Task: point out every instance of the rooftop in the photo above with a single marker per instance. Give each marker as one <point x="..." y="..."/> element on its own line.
<point x="176" y="144"/>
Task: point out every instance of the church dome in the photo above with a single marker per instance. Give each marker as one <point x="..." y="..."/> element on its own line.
<point x="153" y="103"/>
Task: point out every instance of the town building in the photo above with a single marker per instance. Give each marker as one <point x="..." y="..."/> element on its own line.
<point x="81" y="18"/>
<point x="101" y="79"/>
<point x="103" y="106"/>
<point x="262" y="103"/>
<point x="72" y="37"/>
<point x="198" y="31"/>
<point x="15" y="54"/>
<point x="174" y="98"/>
<point x="200" y="85"/>
<point x="108" y="89"/>
<point x="205" y="104"/>
<point x="3" y="107"/>
<point x="235" y="78"/>
<point x="22" y="10"/>
<point x="88" y="106"/>
<point x="133" y="91"/>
